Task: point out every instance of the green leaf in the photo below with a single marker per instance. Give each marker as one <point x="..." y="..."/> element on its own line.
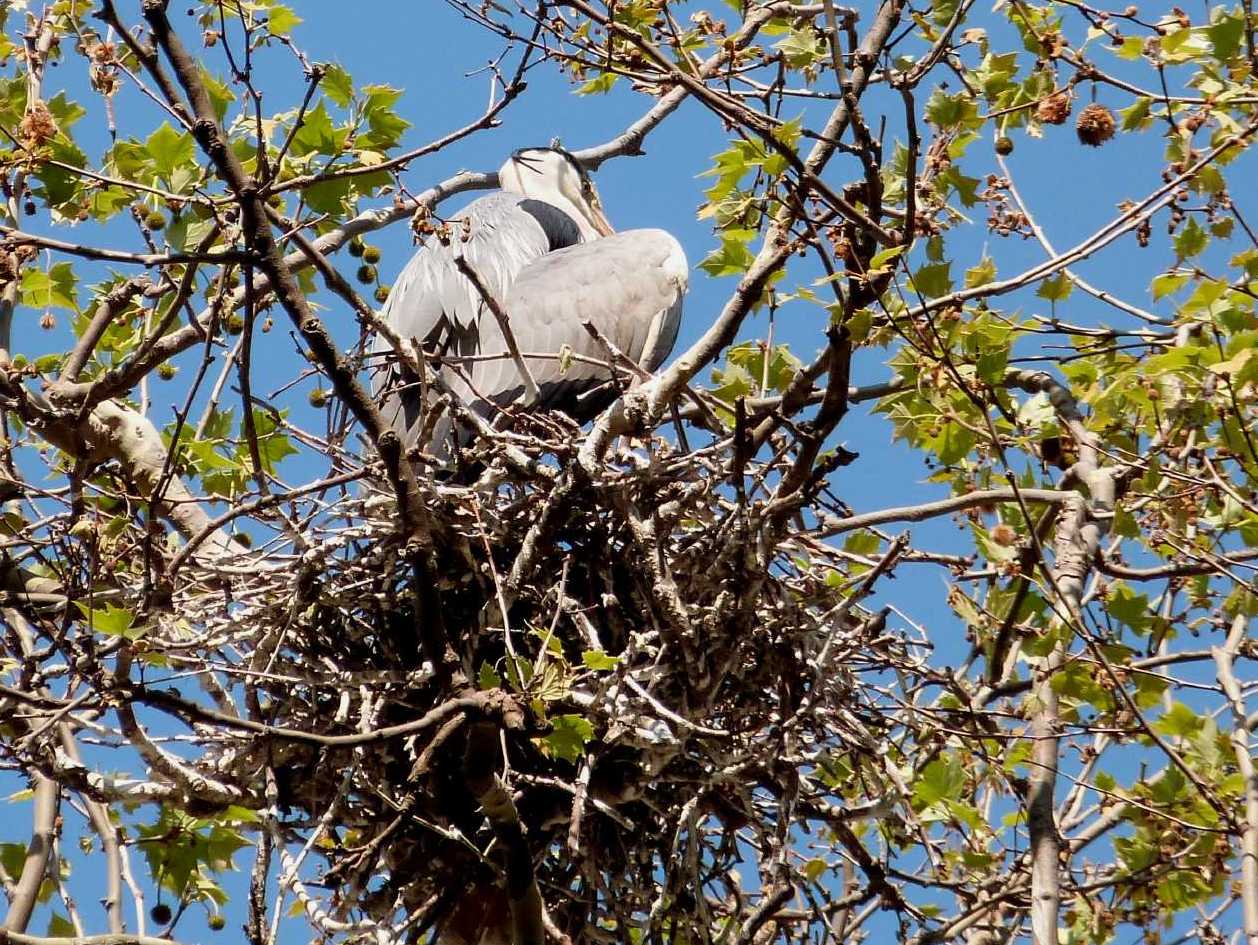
<point x="281" y="21"/>
<point x="519" y="672"/>
<point x="570" y="734"/>
<point x="1127" y="607"/>
<point x="317" y="134"/>
<point x="933" y="280"/>
<point x="884" y="256"/>
<point x="953" y="443"/>
<point x="60" y="927"/>
<point x="599" y="661"/>
<point x="1191" y="240"/>
<point x="862" y="543"/>
<point x="55" y="288"/>
<point x="1184" y="45"/>
<point x="64" y="111"/>
<point x="980" y="274"/>
<point x="949" y="112"/>
<point x="1225" y="36"/>
<point x="168" y="149"/>
<point x="732" y="259"/>
<point x="992" y="550"/>
<point x="1180" y="720"/>
<point x="1203" y="296"/>
<point x="12" y="856"/>
<point x="222" y="96"/>
<point x="112" y="621"/>
<point x="814" y="869"/>
<point x="1222" y="227"/>
<point x="273" y="444"/>
<point x="803" y="47"/>
<point x="599" y="85"/>
<point x="941" y="780"/>
<point x="951" y="180"/>
<point x="487" y="677"/>
<point x="337" y="85"/>
<point x="1135" y="116"/>
<point x="330" y="196"/>
<point x="991" y="363"/>
<point x="778" y="374"/>
<point x="733" y="381"/>
<point x="385" y="126"/>
<point x="966" y="609"/>
<point x="1168" y="283"/>
<point x="1055" y="288"/>
<point x="1132" y="48"/>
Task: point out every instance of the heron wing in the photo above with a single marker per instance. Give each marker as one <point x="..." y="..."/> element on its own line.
<point x="629" y="286"/>
<point x="433" y="302"/>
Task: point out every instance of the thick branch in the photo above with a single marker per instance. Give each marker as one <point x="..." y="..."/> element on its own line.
<point x="1224" y="657"/>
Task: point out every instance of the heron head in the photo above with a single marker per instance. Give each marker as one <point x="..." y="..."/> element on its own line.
<point x="555" y="176"/>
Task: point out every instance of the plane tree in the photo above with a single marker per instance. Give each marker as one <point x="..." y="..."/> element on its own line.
<point x="667" y="676"/>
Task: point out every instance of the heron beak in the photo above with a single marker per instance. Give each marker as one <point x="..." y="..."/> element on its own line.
<point x="599" y="219"/>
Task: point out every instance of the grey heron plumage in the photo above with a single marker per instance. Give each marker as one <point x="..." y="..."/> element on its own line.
<point x="545" y="253"/>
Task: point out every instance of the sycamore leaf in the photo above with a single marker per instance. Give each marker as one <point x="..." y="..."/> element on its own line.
<point x="567" y="740"/>
<point x="1055" y="288"/>
<point x="1191" y="240"/>
<point x="55" y="288"/>
<point x="112" y="621"/>
<point x="599" y="85"/>
<point x="599" y="661"/>
<point x="933" y="280"/>
<point x="337" y="85"/>
<point x="980" y="274"/>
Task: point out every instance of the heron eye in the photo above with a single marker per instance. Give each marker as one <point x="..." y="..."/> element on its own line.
<point x="587" y="189"/>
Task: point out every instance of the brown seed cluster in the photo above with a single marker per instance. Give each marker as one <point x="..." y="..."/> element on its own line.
<point x="38" y="126"/>
<point x="1095" y="125"/>
<point x="104" y="69"/>
<point x="1004" y="535"/>
<point x="1055" y="109"/>
<point x="12" y="258"/>
<point x="1003" y="218"/>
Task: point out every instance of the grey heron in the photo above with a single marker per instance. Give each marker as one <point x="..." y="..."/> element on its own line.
<point x="544" y="253"/>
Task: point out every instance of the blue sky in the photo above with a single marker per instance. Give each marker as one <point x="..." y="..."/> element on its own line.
<point x="427" y="49"/>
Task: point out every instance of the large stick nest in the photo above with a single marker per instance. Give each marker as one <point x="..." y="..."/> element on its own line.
<point x="657" y="641"/>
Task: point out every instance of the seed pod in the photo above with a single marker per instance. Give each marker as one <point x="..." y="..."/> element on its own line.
<point x="235" y="324"/>
<point x="155" y="221"/>
<point x="1055" y="109"/>
<point x="1004" y="145"/>
<point x="382" y="293"/>
<point x="216" y="922"/>
<point x="166" y="371"/>
<point x="318" y="397"/>
<point x="356" y="247"/>
<point x="1095" y="125"/>
<point x="38" y="126"/>
<point x="371" y="254"/>
<point x="1003" y="535"/>
<point x="160" y="913"/>
<point x="366" y="274"/>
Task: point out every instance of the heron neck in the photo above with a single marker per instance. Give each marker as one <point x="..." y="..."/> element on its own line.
<point x="558" y="200"/>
